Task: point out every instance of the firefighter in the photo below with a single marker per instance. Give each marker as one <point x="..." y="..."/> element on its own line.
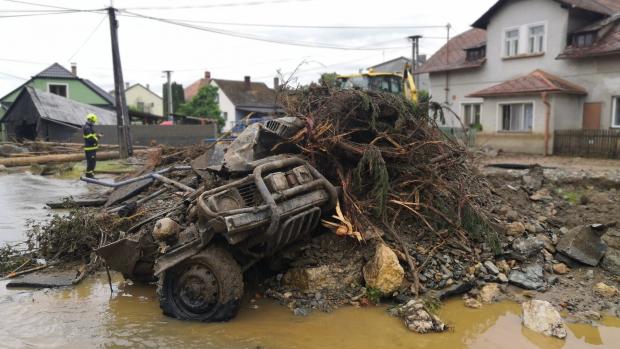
<point x="91" y="143"/>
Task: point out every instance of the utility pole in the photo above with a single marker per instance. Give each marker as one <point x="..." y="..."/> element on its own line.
<point x="170" y="111"/>
<point x="447" y="88"/>
<point x="415" y="57"/>
<point x="122" y="113"/>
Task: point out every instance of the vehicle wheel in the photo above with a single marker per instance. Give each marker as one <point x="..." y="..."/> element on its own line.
<point x="205" y="287"/>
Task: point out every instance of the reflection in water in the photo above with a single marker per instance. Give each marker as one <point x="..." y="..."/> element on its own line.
<point x="87" y="316"/>
<point x="23" y="196"/>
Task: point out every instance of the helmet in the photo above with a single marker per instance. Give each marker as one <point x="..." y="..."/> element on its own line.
<point x="92" y="118"/>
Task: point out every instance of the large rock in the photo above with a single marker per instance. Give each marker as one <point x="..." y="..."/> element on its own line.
<point x="612" y="238"/>
<point x="584" y="244"/>
<point x="166" y="229"/>
<point x="324" y="277"/>
<point x="526" y="248"/>
<point x="611" y="261"/>
<point x="529" y="276"/>
<point x="541" y="316"/>
<point x="605" y="290"/>
<point x="489" y="293"/>
<point x="383" y="272"/>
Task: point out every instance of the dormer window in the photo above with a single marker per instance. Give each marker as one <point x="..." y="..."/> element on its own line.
<point x="475" y="54"/>
<point x="584" y="39"/>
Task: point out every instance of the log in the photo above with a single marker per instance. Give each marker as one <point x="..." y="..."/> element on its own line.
<point x="44" y="159"/>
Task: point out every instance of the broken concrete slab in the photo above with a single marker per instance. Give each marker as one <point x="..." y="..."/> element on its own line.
<point x="43" y="280"/>
<point x="584" y="244"/>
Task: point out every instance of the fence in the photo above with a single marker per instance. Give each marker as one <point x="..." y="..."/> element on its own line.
<point x="587" y="143"/>
<point x="146" y="134"/>
<point x="468" y="137"/>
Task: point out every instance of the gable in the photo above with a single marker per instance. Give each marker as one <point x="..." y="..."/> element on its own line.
<point x="77" y="90"/>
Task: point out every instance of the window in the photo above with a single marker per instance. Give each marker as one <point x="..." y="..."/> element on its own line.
<point x="471" y="114"/>
<point x="616" y="112"/>
<point x="140" y="106"/>
<point x="536" y="39"/>
<point x="517" y="117"/>
<point x="511" y="42"/>
<point x="60" y="90"/>
<point x="475" y="54"/>
<point x="584" y="39"/>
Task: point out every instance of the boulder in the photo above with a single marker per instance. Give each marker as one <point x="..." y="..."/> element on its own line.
<point x="383" y="272"/>
<point x="605" y="290"/>
<point x="541" y="316"/>
<point x="472" y="303"/>
<point x="611" y="261"/>
<point x="612" y="238"/>
<point x="489" y="293"/>
<point x="324" y="277"/>
<point x="515" y="229"/>
<point x="529" y="276"/>
<point x="166" y="229"/>
<point x="584" y="244"/>
<point x="560" y="268"/>
<point x="491" y="267"/>
<point x="526" y="248"/>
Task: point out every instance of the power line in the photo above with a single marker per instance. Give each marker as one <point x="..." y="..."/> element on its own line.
<point x="13" y="76"/>
<point x="40" y="14"/>
<point x="247" y="3"/>
<point x="40" y="5"/>
<point x="88" y="38"/>
<point x="260" y="38"/>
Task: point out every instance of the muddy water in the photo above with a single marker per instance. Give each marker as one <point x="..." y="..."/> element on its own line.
<point x="88" y="317"/>
<point x="23" y="196"/>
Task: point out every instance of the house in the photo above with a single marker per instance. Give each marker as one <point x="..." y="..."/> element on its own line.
<point x="237" y="99"/>
<point x="44" y="115"/>
<point x="530" y="67"/>
<point x="58" y="80"/>
<point x="142" y="99"/>
<point x="397" y="65"/>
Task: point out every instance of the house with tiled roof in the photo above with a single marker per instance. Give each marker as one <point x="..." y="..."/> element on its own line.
<point x="239" y="98"/>
<point x="58" y="80"/>
<point x="528" y="68"/>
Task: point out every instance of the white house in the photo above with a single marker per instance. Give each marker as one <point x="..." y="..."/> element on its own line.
<point x="530" y="67"/>
<point x="144" y="100"/>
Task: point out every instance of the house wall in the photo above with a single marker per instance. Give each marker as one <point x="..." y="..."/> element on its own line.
<point x="226" y="107"/>
<point x="599" y="76"/>
<point x="76" y="91"/>
<point x="152" y="103"/>
<point x="567" y="112"/>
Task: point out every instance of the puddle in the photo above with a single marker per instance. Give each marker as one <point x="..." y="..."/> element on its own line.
<point x="87" y="316"/>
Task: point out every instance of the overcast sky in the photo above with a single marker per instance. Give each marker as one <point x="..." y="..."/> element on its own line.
<point x="31" y="43"/>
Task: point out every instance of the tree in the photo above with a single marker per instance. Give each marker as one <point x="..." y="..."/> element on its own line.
<point x="178" y="97"/>
<point x="328" y="80"/>
<point x="204" y="104"/>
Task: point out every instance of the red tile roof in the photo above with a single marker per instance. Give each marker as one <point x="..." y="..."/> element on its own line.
<point x="606" y="45"/>
<point x="536" y="82"/>
<point x="455" y="48"/>
<point x="603" y="7"/>
<point x="191" y="90"/>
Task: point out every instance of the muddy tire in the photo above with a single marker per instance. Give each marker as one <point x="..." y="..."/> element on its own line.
<point x="206" y="287"/>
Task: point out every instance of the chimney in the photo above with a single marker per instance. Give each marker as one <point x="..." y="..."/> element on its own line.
<point x="276" y="84"/>
<point x="126" y="85"/>
<point x="208" y="76"/>
<point x="248" y="84"/>
<point x="74" y="69"/>
<point x="148" y="87"/>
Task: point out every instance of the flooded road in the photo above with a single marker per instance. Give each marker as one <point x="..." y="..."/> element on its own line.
<point x="23" y="196"/>
<point x="88" y="317"/>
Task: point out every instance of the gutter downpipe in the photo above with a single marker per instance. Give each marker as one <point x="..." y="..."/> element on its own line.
<point x="545" y="99"/>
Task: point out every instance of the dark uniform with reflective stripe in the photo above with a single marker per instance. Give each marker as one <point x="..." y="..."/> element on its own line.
<point x="91" y="144"/>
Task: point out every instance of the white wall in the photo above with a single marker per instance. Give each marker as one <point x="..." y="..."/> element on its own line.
<point x="226" y="107"/>
<point x="152" y="103"/>
<point x="599" y="76"/>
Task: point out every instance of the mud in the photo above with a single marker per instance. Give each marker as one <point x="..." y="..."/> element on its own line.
<point x="88" y="317"/>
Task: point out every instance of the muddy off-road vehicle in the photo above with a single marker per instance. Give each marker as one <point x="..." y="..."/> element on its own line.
<point x="197" y="254"/>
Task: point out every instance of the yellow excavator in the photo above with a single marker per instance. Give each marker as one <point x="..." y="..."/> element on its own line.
<point x="397" y="83"/>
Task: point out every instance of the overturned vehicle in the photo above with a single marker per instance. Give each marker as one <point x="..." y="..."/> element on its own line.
<point x="252" y="204"/>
